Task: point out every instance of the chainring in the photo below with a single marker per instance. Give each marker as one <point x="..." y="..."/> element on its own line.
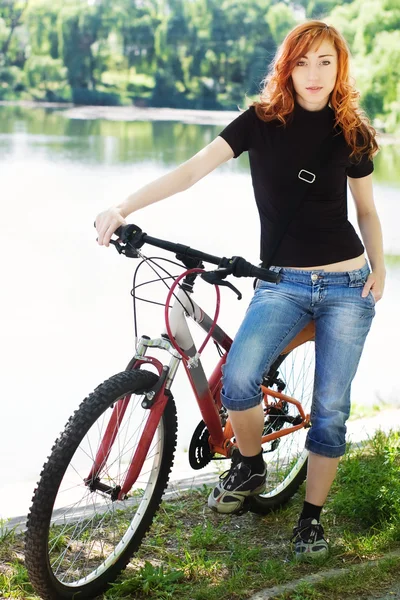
<point x="275" y="418"/>
<point x="199" y="449"/>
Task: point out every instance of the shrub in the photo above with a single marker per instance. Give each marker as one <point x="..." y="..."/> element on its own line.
<point x="43" y="71"/>
<point x="367" y="487"/>
<point x="12" y="79"/>
<point x="94" y="97"/>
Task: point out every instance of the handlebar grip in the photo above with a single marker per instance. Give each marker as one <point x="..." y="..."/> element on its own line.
<point x="118" y="231"/>
<point x="131" y="234"/>
<point x="239" y="267"/>
<point x="265" y="274"/>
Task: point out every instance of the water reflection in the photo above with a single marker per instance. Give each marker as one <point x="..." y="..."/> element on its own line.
<point x="120" y="142"/>
<point x="100" y="141"/>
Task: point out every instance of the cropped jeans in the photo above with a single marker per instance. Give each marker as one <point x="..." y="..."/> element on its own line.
<point x="276" y="314"/>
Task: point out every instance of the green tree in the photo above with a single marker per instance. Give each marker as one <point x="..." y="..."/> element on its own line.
<point x="11" y="18"/>
<point x="384" y="77"/>
<point x="199" y="53"/>
<point x="372" y="29"/>
<point x="319" y="9"/>
<point x="281" y="20"/>
<point x="84" y="32"/>
<point x="44" y="72"/>
<point x="41" y="19"/>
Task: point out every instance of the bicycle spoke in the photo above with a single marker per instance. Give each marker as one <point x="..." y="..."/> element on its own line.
<point x="86" y="525"/>
<point x="297" y="372"/>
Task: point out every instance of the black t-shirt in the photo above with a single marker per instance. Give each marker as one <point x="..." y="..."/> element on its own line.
<point x="319" y="232"/>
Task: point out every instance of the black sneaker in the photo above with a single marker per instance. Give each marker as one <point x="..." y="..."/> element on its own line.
<point x="235" y="486"/>
<point x="308" y="540"/>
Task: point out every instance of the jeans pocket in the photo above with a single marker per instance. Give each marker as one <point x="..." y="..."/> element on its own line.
<point x="371" y="297"/>
<point x="265" y="285"/>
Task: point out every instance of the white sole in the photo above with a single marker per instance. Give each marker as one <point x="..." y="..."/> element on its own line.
<point x="226" y="509"/>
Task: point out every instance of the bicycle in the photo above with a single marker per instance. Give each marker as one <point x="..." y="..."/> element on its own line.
<point x="107" y="472"/>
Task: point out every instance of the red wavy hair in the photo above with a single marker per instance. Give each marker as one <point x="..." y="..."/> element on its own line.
<point x="277" y="97"/>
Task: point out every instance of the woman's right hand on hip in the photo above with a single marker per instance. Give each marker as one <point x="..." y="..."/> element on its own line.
<point x="107" y="222"/>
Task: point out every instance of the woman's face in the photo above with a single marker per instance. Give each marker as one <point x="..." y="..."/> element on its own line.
<point x="314" y="76"/>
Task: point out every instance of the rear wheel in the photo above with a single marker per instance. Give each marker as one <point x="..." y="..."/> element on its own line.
<point x="286" y="457"/>
<point x="80" y="537"/>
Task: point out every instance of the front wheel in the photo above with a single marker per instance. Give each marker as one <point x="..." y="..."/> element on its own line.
<point x="80" y="537"/>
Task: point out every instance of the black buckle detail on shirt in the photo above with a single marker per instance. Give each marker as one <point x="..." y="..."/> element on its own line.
<point x="306" y="176"/>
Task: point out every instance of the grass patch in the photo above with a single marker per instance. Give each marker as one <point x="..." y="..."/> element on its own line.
<point x="158" y="581"/>
<point x="367" y="488"/>
<point x="233" y="557"/>
<point x="7" y="534"/>
<point x="362" y="411"/>
<point x="192" y="553"/>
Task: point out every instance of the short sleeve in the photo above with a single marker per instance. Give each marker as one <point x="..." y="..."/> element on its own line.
<point x="362" y="169"/>
<point x="238" y="133"/>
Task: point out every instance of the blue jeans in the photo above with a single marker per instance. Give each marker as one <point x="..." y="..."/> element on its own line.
<point x="276" y="314"/>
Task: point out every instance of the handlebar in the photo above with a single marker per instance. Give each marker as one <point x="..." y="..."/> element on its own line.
<point x="134" y="238"/>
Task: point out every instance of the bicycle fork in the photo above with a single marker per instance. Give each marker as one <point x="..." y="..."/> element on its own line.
<point x="155" y="400"/>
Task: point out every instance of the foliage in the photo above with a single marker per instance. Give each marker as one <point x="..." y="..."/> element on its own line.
<point x="198" y="54"/>
<point x="149" y="580"/>
<point x="281" y="20"/>
<point x="319" y="9"/>
<point x="12" y="80"/>
<point x="12" y="44"/>
<point x="371" y="28"/>
<point x="367" y="488"/>
<point x="7" y="534"/>
<point x="43" y="71"/>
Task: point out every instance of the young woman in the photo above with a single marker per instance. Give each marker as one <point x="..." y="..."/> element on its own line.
<point x="307" y="102"/>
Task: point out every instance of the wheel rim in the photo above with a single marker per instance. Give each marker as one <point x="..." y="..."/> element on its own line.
<point x="89" y="532"/>
<point x="285" y="462"/>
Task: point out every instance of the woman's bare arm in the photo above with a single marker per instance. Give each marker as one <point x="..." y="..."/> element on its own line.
<point x="371" y="232"/>
<point x="178" y="180"/>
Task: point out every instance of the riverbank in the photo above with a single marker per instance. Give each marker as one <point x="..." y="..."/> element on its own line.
<point x="138" y="113"/>
<point x="133" y="113"/>
<point x="191" y="552"/>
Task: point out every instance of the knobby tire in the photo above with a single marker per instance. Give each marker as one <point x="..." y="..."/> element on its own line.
<point x="52" y="583"/>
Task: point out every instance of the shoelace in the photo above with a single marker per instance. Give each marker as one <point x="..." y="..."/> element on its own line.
<point x="313" y="530"/>
<point x="232" y="472"/>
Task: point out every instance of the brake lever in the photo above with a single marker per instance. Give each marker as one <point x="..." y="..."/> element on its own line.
<point x="127" y="250"/>
<point x="117" y="245"/>
<point x="214" y="278"/>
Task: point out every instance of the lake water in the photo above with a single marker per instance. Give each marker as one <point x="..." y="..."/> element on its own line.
<point x="66" y="313"/>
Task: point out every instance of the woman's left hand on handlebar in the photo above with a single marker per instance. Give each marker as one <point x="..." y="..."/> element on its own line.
<point x="106" y="224"/>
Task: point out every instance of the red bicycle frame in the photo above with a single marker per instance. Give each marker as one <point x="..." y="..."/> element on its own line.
<point x="207" y="392"/>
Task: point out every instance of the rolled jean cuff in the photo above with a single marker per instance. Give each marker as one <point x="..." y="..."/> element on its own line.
<point x="324" y="449"/>
<point x="242" y="404"/>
